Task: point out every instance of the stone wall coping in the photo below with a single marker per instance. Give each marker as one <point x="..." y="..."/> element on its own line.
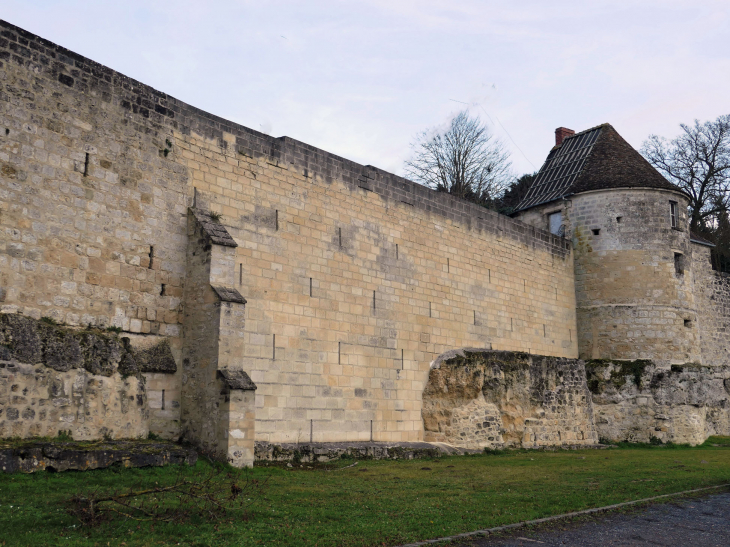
<point x="213" y="229"/>
<point x="237" y="379"/>
<point x="227" y="294"/>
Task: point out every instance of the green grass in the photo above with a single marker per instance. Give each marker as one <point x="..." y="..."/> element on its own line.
<point x="374" y="502"/>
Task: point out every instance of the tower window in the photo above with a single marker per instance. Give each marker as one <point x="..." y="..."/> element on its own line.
<point x="678" y="264"/>
<point x="596" y="231"/>
<point x="673" y="214"/>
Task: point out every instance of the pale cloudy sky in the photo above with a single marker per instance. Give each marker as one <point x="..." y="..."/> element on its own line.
<point x="361" y="78"/>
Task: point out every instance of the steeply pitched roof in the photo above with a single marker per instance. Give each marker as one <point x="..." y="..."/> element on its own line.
<point x="595" y="159"/>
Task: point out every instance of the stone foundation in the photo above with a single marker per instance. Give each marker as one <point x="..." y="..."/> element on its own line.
<point x="31" y="456"/>
<point x="325" y="452"/>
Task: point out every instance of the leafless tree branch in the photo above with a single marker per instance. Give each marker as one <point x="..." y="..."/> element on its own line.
<point x="210" y="496"/>
<point x="465" y="160"/>
<point x="698" y="162"/>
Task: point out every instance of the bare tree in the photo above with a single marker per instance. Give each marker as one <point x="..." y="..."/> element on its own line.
<point x="465" y="160"/>
<point x="698" y="161"/>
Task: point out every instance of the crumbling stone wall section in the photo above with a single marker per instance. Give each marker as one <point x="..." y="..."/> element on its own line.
<point x="37" y="401"/>
<point x="712" y="297"/>
<point x="491" y="399"/>
<point x="642" y="401"/>
<point x="85" y="382"/>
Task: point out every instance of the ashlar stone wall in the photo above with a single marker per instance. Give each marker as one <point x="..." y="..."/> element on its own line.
<point x="355" y="279"/>
<point x="351" y="295"/>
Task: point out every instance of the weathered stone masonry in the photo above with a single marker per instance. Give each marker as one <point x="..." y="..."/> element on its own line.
<point x="354" y="279"/>
<point x="487" y="399"/>
<point x="303" y="297"/>
<point x="640" y="401"/>
<point x="87" y="383"/>
<point x="712" y="300"/>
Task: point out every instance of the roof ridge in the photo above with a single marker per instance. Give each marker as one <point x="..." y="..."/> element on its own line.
<point x="574" y="135"/>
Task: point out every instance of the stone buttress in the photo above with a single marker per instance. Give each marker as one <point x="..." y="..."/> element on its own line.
<point x="217" y="394"/>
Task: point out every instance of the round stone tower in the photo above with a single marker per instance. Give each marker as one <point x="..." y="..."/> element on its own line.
<point x="631" y="242"/>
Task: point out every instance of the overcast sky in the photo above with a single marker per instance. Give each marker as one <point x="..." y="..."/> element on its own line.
<point x="361" y="78"/>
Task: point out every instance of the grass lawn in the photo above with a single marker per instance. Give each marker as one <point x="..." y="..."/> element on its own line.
<point x="373" y="502"/>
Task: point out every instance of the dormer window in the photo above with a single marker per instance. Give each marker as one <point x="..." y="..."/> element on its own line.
<point x="674" y="214"/>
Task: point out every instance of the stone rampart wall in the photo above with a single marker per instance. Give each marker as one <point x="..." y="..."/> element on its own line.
<point x="356" y="279"/>
<point x="712" y="297"/>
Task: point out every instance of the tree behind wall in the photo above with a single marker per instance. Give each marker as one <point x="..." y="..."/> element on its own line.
<point x="464" y="159"/>
<point x="515" y="193"/>
<point x="698" y="162"/>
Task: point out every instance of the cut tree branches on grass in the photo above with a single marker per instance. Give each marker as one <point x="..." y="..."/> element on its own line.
<point x="211" y="495"/>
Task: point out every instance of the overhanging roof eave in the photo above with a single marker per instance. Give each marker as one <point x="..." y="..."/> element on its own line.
<point x="541" y="203"/>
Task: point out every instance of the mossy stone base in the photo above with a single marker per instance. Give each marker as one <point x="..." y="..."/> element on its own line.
<point x="28" y="456"/>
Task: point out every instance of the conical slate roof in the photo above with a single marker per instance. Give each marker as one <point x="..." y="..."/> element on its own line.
<point x="595" y="159"/>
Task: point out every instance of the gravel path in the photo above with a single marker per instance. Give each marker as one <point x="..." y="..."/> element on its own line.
<point x="701" y="522"/>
